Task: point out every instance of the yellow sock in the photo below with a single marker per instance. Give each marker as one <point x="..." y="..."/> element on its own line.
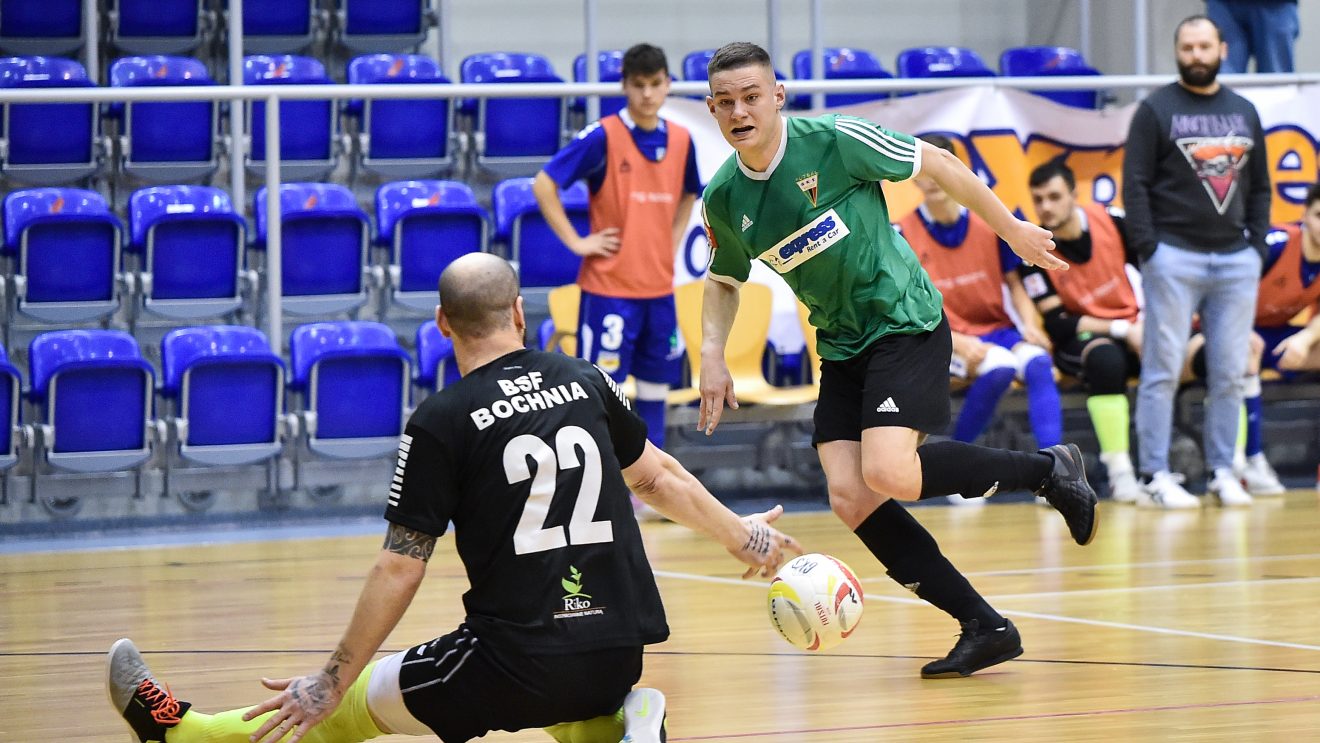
<point x="350" y="722"/>
<point x="603" y="729"/>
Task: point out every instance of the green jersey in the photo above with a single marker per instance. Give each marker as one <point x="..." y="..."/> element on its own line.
<point x="817" y="217"/>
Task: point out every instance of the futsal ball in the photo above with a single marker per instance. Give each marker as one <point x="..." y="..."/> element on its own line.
<point x="815" y="602"/>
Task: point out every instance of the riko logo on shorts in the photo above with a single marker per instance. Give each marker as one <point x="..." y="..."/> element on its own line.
<point x="806" y="243"/>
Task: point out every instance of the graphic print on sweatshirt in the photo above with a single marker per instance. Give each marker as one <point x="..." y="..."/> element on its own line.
<point x="1217" y="148"/>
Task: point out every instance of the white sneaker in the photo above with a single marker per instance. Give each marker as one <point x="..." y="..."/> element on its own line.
<point x="1260" y="476"/>
<point x="1165" y="490"/>
<point x="1123" y="484"/>
<point x="644" y="716"/>
<point x="1226" y="486"/>
<point x="958" y="500"/>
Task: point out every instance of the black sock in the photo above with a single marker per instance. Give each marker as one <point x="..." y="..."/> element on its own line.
<point x="913" y="559"/>
<point x="974" y="471"/>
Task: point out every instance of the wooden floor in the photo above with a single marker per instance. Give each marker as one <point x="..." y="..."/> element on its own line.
<point x="1172" y="626"/>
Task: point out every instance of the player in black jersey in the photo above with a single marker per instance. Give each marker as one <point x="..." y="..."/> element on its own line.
<point x="531" y="457"/>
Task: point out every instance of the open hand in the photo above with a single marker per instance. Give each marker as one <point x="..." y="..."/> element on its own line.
<point x="765" y="548"/>
<point x="301" y="704"/>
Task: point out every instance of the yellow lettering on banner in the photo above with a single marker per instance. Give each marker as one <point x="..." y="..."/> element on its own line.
<point x="1295" y="148"/>
<point x="1105" y="165"/>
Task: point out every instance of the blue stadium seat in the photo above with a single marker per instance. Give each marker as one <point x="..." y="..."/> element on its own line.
<point x="307" y="128"/>
<point x="352" y="378"/>
<point x="189" y="243"/>
<point x="843" y="63"/>
<point x="610" y="66"/>
<point x="436" y="366"/>
<point x="1049" y="61"/>
<point x="166" y="142"/>
<point x="325" y="239"/>
<point x="426" y="225"/>
<point x="542" y="259"/>
<point x="382" y="25"/>
<point x="47" y="143"/>
<point x="10" y="384"/>
<point x="942" y="61"/>
<point x="158" y="26"/>
<point x="47" y="27"/>
<point x="519" y="133"/>
<point x="226" y="389"/>
<point x="279" y="26"/>
<point x="696" y="63"/>
<point x="402" y="138"/>
<point x="65" y="246"/>
<point x="92" y="393"/>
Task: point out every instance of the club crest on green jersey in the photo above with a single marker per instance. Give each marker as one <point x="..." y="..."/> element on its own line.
<point x="810" y="185"/>
<point x="806" y="243"/>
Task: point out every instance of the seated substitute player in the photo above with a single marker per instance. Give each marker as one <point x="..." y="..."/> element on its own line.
<point x="803" y="196"/>
<point x="1288" y="285"/>
<point x="1092" y="314"/>
<point x="642" y="174"/>
<point x="530" y="455"/>
<point x="970" y="266"/>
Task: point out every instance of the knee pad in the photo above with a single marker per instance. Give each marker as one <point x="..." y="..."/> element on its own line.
<point x="998" y="357"/>
<point x="1031" y="358"/>
<point x="1105" y="367"/>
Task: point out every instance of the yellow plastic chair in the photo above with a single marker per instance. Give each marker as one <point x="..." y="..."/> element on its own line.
<point x="809" y="335"/>
<point x="745" y="348"/>
<point x="564" y="301"/>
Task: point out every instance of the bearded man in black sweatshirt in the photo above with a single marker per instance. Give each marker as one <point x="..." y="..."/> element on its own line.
<point x="1196" y="188"/>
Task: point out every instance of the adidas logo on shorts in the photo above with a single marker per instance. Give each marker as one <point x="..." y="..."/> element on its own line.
<point x="887" y="406"/>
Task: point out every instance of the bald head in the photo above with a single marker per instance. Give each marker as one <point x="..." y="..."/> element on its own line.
<point x="477" y="293"/>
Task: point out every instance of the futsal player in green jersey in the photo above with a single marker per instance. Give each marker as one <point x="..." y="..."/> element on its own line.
<point x="803" y="196"/>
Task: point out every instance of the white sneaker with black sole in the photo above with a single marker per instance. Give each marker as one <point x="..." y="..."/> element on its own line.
<point x="644" y="716"/>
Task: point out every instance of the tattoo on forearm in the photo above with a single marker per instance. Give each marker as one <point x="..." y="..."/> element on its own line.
<point x="758" y="542"/>
<point x="337" y="660"/>
<point x="404" y="541"/>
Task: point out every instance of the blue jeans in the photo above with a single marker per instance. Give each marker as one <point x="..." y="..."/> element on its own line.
<point x="1264" y="29"/>
<point x="1222" y="288"/>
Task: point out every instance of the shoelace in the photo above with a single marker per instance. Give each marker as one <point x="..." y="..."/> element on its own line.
<point x="164" y="707"/>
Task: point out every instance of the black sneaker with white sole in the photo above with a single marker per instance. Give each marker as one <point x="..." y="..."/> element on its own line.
<point x="1067" y="490"/>
<point x="976" y="649"/>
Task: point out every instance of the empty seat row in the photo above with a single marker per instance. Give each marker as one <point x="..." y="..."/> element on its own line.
<point x="184" y="26"/>
<point x="184" y="257"/>
<point x="223" y="397"/>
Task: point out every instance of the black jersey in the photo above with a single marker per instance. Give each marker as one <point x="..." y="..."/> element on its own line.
<point x="523" y="455"/>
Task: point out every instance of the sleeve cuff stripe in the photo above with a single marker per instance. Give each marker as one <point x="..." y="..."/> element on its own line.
<point x="884" y="144"/>
<point x="724" y="279"/>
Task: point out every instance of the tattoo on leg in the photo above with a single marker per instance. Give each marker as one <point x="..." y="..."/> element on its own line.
<point x="404" y="541"/>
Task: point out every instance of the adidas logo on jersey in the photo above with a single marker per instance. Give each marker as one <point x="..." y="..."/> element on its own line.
<point x="746" y="223"/>
<point x="887" y="406"/>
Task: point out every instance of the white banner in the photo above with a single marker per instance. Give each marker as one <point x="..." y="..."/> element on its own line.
<point x="1002" y="135"/>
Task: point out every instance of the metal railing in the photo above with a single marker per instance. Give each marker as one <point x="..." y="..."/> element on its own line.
<point x="273" y="95"/>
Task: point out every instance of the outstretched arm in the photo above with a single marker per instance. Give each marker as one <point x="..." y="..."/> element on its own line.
<point x="1031" y="242"/>
<point x="303" y="702"/>
<point x="662" y="483"/>
<point x="719" y="306"/>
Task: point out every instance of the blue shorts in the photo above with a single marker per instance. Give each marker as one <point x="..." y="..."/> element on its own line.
<point x="1006" y="337"/>
<point x="1273" y="336"/>
<point x="631" y="336"/>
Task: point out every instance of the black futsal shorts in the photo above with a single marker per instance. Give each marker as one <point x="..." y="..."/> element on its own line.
<point x="899" y="380"/>
<point x="462" y="688"/>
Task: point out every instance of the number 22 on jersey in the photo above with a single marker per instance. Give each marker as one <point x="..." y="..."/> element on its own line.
<point x="531" y="534"/>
